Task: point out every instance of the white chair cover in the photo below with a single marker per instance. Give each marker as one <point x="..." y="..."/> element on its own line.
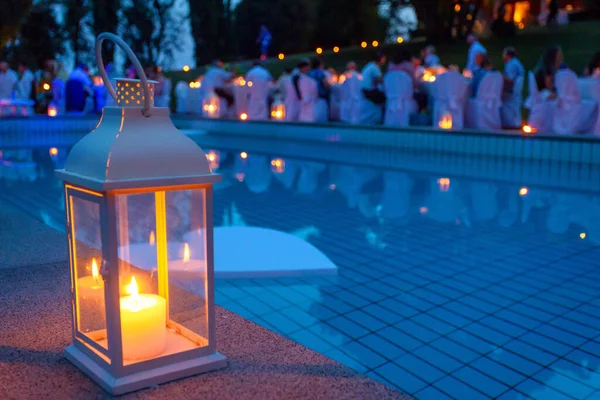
<point x="58" y="95"/>
<point x="258" y="98"/>
<point x="181" y="92"/>
<point x="541" y="112"/>
<point x="240" y="95"/>
<point x="334" y="102"/>
<point x="291" y="100"/>
<point x="313" y="109"/>
<point x="399" y="104"/>
<point x="449" y="94"/>
<point x="511" y="105"/>
<point x="349" y="99"/>
<point x="483" y="111"/>
<point x="165" y="98"/>
<point x="572" y="114"/>
<point x="360" y="109"/>
<point x="595" y="94"/>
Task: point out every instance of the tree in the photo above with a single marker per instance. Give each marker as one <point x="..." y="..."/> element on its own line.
<point x="41" y="38"/>
<point x="106" y="19"/>
<point x="211" y="24"/>
<point x="13" y="13"/>
<point x="153" y="29"/>
<point x="77" y="28"/>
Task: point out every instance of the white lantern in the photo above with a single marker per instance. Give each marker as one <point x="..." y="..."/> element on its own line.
<point x="211" y="105"/>
<point x="139" y="223"/>
<point x="446" y="121"/>
<point x="278" y="111"/>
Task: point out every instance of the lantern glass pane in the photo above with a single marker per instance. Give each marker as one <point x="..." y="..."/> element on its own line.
<point x="187" y="241"/>
<point x="86" y="247"/>
<point x="142" y="307"/>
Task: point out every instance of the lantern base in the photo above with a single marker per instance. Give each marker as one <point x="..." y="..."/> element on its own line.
<point x="143" y="379"/>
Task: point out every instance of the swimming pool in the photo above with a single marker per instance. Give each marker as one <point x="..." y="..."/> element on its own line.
<point x="458" y="277"/>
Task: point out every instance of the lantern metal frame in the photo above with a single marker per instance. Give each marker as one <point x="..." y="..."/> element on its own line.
<point x="106" y="366"/>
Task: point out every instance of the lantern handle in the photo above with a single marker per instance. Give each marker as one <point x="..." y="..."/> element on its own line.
<point x="136" y="64"/>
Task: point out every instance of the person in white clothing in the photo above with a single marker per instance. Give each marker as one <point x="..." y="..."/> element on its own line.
<point x="373" y="78"/>
<point x="475" y="49"/>
<point x="216" y="79"/>
<point x="8" y="81"/>
<point x="25" y="84"/>
<point x="258" y="71"/>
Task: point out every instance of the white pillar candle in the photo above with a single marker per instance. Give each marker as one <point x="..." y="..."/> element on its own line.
<point x="143" y="324"/>
<point x="91" y="287"/>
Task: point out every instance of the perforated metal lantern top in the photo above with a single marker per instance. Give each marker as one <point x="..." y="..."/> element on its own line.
<point x="135" y="145"/>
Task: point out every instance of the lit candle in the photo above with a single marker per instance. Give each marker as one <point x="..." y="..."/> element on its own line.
<point x="91" y="286"/>
<point x="187" y="263"/>
<point x="143" y="324"/>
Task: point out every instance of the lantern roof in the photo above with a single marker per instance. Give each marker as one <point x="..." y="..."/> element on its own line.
<point x="130" y="150"/>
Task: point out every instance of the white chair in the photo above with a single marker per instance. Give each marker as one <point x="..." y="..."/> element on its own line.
<point x="541" y="112"/>
<point x="573" y="115"/>
<point x="595" y="94"/>
<point x="181" y="92"/>
<point x="290" y="99"/>
<point x="348" y="102"/>
<point x="165" y="98"/>
<point x="313" y="108"/>
<point x="258" y="98"/>
<point x="449" y="96"/>
<point x="400" y="103"/>
<point x="511" y="105"/>
<point x="483" y="110"/>
<point x="240" y="95"/>
<point x="334" y="103"/>
<point x="361" y="110"/>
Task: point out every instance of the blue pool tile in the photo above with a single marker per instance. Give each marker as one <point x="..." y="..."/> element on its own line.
<point x="458" y="390"/>
<point x="337" y="306"/>
<point x="343" y="358"/>
<point x="299" y="316"/>
<point x="435" y="357"/>
<point x="451" y="317"/>
<point x="383" y="314"/>
<point x="400" y="339"/>
<point x="518" y="319"/>
<point x="481" y="382"/>
<point x="382" y="346"/>
<point x="431" y="393"/>
<point x="472" y="342"/>
<point x="489" y="334"/>
<point x="434" y="324"/>
<point x="318" y="310"/>
<point x="531" y="352"/>
<point x="417" y="331"/>
<point x="455" y="350"/>
<point x="515" y="362"/>
<point x="399" y="308"/>
<point x="429" y="296"/>
<point x="561" y="335"/>
<point x="256" y="306"/>
<point x="546" y="306"/>
<point x="364" y="355"/>
<point x="348" y="327"/>
<point x="584" y="359"/>
<point x="579" y="323"/>
<point x="465" y="310"/>
<point x="401" y="377"/>
<point x="351" y="298"/>
<point x="577" y="372"/>
<point x="498" y="371"/>
<point x="330" y="334"/>
<point x="545" y="343"/>
<point x="503" y="326"/>
<point x="481" y="305"/>
<point x="282" y="323"/>
<point x="513" y="395"/>
<point x="563" y="384"/>
<point x="310" y="340"/>
<point x="416" y="302"/>
<point x="539" y="391"/>
<point x="365" y="320"/>
<point x="532" y="312"/>
<point x="420" y="368"/>
<point x="369" y="294"/>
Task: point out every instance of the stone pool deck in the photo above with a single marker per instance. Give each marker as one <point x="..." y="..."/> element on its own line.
<point x="36" y="327"/>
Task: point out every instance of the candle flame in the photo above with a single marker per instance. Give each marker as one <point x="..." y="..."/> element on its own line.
<point x="132" y="288"/>
<point x="152" y="238"/>
<point x="186" y="253"/>
<point x="95" y="273"/>
<point x="523" y="191"/>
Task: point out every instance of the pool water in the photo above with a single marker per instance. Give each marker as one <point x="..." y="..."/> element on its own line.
<point x="470" y="284"/>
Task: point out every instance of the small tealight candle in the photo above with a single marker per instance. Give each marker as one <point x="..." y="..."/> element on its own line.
<point x="91" y="286"/>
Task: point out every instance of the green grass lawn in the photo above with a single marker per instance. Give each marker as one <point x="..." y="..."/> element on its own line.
<point x="579" y="42"/>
